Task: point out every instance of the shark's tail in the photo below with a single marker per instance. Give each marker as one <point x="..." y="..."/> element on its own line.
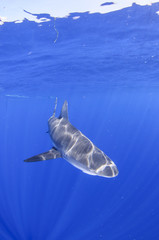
<point x="55" y="107"/>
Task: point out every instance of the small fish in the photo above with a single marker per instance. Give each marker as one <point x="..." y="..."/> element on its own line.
<point x="75" y="147"/>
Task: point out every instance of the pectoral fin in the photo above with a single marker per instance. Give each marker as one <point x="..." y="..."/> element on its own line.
<point x="51" y="154"/>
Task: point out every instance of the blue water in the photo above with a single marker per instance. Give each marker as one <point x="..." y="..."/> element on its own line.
<point x="107" y="67"/>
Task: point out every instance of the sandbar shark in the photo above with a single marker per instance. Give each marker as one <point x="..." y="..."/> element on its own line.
<point x="75" y="147"/>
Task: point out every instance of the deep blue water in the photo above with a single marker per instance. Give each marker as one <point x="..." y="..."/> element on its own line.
<point x="107" y="67"/>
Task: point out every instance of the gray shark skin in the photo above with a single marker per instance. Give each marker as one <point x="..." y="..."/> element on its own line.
<point x="76" y="148"/>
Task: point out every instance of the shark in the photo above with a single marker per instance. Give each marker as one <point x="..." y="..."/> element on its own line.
<point x="72" y="145"/>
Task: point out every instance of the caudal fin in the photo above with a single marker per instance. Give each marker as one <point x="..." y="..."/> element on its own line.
<point x="55" y="108"/>
<point x="64" y="111"/>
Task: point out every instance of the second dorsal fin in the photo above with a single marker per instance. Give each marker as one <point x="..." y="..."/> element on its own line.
<point x="64" y="111"/>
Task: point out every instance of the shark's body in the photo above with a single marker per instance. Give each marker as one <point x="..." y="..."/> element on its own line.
<point x="76" y="148"/>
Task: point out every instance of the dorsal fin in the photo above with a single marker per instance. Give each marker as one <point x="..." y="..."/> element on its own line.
<point x="64" y="111"/>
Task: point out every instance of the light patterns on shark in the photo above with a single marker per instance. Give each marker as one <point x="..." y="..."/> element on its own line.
<point x="76" y="148"/>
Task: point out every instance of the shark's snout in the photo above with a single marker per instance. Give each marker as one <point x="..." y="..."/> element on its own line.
<point x="109" y="171"/>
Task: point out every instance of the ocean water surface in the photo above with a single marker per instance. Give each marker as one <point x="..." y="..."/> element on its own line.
<point x="107" y="67"/>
